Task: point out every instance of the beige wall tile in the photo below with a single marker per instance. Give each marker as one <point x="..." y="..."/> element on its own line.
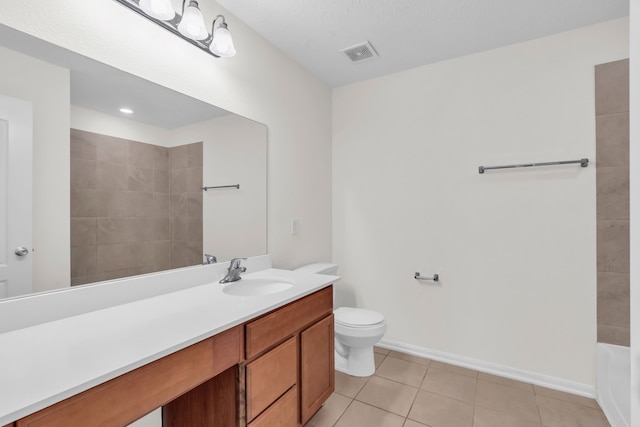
<point x="612" y="140"/>
<point x="161" y="204"/>
<point x="83" y="260"/>
<point x="439" y="411"/>
<point x="194" y="229"/>
<point x="388" y="395"/>
<point x="83" y="173"/>
<point x="112" y="203"/>
<point x="194" y="204"/>
<point x="86" y="203"/>
<point x="457" y="386"/>
<point x="111" y="176"/>
<point x="162" y="255"/>
<point x="411" y="423"/>
<point x="161" y="181"/>
<point x="83" y="231"/>
<point x="362" y="415"/>
<point x="611" y="334"/>
<point x="179" y="157"/>
<point x="112" y="257"/>
<point x="83" y="146"/>
<point x="612" y="192"/>
<point x="141" y="254"/>
<point x="141" y="229"/>
<point x="140" y="203"/>
<point x="613" y="246"/>
<point x="161" y="228"/>
<point x="179" y="204"/>
<point x="194" y="179"/>
<point x="179" y="181"/>
<point x="161" y="158"/>
<point x="613" y="299"/>
<point x="612" y="87"/>
<point x="113" y="230"/>
<point x="194" y="155"/>
<point x="111" y="149"/>
<point x="507" y="400"/>
<point x="140" y="179"/>
<point x="179" y="228"/>
<point x="141" y="155"/>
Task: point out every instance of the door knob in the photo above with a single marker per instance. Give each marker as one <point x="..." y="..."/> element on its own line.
<point x="21" y="251"/>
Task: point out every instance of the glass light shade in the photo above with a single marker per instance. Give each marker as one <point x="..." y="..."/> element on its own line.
<point x="192" y="23"/>
<point x="222" y="43"/>
<point x="159" y="9"/>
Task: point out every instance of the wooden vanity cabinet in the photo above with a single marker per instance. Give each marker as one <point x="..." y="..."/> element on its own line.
<point x="126" y="398"/>
<point x="317" y="373"/>
<point x="273" y="371"/>
<point x="305" y="329"/>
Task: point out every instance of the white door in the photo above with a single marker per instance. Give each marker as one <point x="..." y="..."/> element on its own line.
<point x="16" y="140"/>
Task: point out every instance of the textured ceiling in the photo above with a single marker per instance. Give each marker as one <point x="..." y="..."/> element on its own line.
<point x="408" y="33"/>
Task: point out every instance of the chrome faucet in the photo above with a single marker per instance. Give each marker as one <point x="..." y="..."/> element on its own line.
<point x="210" y="259"/>
<point x="235" y="269"/>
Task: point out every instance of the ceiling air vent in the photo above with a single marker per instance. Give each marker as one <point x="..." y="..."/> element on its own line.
<point x="360" y="52"/>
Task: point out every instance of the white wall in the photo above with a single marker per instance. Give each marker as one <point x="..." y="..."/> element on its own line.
<point x="234" y="152"/>
<point x="119" y="127"/>
<point x="515" y="249"/>
<point x="260" y="83"/>
<point x="47" y="87"/>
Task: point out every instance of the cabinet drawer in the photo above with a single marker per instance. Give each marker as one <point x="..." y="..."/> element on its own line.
<point x="270" y="376"/>
<point x="283" y="413"/>
<point x="284" y="322"/>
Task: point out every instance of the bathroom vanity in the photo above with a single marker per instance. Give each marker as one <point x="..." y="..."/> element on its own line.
<point x="206" y="358"/>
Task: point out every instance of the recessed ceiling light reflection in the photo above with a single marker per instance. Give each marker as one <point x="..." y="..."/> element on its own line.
<point x="126" y="110"/>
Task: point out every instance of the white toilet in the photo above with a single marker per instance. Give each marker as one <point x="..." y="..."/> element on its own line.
<point x="356" y="331"/>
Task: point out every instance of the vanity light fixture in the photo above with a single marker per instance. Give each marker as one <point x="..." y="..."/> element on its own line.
<point x="126" y="110"/>
<point x="190" y="25"/>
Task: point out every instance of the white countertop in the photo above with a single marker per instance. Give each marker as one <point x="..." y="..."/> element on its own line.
<point x="47" y="363"/>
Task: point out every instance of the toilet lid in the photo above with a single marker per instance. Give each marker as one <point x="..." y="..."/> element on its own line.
<point x="355" y="317"/>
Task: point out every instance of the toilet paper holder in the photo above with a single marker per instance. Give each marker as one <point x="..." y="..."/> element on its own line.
<point x="435" y="277"/>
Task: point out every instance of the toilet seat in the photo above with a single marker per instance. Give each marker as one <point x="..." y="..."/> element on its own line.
<point x="357" y="317"/>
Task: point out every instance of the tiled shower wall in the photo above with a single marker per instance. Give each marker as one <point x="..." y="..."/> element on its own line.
<point x="186" y="204"/>
<point x="122" y="208"/>
<point x="612" y="192"/>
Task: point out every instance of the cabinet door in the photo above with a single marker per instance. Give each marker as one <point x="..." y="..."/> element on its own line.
<point x="316" y="367"/>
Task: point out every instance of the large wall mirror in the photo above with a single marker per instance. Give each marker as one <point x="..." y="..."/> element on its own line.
<point x="134" y="180"/>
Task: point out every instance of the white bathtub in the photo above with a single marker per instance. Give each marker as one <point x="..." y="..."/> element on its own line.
<point x="614" y="383"/>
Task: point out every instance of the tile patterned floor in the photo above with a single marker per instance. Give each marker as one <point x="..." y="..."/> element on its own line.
<point x="409" y="391"/>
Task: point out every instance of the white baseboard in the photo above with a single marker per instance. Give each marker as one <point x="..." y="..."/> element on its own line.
<point x="554" y="383"/>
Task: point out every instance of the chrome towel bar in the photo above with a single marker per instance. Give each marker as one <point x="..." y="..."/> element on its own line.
<point x="236" y="186"/>
<point x="435" y="277"/>
<point x="583" y="163"/>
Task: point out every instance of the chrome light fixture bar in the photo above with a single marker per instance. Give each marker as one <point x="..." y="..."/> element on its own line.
<point x="189" y="25"/>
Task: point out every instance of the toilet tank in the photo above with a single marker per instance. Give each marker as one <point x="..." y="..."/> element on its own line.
<point x="320" y="268"/>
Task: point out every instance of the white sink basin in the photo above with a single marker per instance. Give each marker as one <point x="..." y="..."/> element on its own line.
<point x="258" y="286"/>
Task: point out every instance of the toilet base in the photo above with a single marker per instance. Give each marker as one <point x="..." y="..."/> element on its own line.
<point x="359" y="363"/>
